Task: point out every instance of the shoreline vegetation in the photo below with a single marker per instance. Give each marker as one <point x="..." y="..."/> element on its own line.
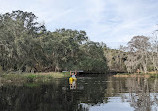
<point x="35" y="79"/>
<point x="31" y="77"/>
<point x="144" y="75"/>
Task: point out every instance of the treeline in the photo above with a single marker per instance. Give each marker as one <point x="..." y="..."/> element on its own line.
<point x="26" y="45"/>
<point x="140" y="55"/>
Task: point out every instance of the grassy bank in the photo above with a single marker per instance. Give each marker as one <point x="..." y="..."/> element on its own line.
<point x="31" y="77"/>
<point x="147" y="75"/>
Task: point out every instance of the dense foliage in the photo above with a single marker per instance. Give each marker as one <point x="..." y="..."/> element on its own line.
<point x="26" y="45"/>
<point x="140" y="55"/>
<point x="115" y="59"/>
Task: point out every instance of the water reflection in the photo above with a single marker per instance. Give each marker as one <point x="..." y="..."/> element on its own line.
<point x="91" y="94"/>
<point x="142" y="95"/>
<point x="128" y="94"/>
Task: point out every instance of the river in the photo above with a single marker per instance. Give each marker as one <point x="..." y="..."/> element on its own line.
<point x="90" y="93"/>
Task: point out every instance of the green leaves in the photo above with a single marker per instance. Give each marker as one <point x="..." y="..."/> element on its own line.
<point x="25" y="45"/>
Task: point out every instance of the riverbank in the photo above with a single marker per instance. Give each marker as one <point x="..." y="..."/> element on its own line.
<point x="148" y="75"/>
<point x="31" y="77"/>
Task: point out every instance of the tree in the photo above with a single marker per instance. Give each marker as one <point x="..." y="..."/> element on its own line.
<point x="26" y="45"/>
<point x="115" y="59"/>
<point x="18" y="31"/>
<point x="93" y="58"/>
<point x="138" y="48"/>
<point x="153" y="56"/>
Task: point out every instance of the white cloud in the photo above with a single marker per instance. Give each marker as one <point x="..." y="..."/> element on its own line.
<point x="111" y="21"/>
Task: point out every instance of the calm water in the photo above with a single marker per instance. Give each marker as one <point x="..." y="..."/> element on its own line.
<point x="90" y="93"/>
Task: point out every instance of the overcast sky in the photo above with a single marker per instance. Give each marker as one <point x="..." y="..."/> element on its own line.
<point x="114" y="22"/>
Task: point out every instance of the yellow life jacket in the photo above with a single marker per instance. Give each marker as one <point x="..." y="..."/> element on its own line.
<point x="71" y="79"/>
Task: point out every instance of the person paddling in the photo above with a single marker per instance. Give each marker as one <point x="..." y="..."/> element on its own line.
<point x="72" y="80"/>
<point x="73" y="75"/>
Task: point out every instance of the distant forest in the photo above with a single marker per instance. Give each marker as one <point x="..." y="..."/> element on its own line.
<point x="27" y="46"/>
